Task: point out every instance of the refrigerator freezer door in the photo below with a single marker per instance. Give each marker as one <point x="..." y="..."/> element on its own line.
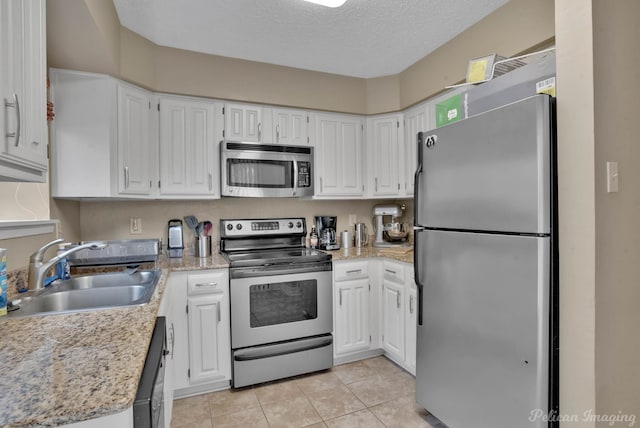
<point x="490" y="172"/>
<point x="483" y="345"/>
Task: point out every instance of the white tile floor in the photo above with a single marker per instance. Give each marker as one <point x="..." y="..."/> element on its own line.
<point x="368" y="393"/>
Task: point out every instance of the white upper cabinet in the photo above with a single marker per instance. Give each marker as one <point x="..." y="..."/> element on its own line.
<point x="243" y="122"/>
<point x="384" y="153"/>
<point x="190" y="131"/>
<point x="136" y="150"/>
<point x="23" y="96"/>
<point x="103" y="138"/>
<point x="416" y="119"/>
<point x="338" y="155"/>
<point x="291" y="127"/>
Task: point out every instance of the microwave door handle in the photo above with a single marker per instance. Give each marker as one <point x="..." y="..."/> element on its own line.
<point x="295" y="177"/>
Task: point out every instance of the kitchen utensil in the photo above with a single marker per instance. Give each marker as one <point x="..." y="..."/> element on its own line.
<point x="203" y="246"/>
<point x="361" y="235"/>
<point x="207" y="228"/>
<point x="199" y="229"/>
<point x="191" y="221"/>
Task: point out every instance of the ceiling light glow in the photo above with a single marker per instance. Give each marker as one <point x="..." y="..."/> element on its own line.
<point x="328" y="3"/>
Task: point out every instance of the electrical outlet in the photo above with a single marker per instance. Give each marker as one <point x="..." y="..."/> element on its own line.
<point x="135" y="225"/>
<point x="353" y="219"/>
<point x="612" y="177"/>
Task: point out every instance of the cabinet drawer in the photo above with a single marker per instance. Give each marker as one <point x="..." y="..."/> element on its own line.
<point x="208" y="283"/>
<point x="351" y="270"/>
<point x="393" y="271"/>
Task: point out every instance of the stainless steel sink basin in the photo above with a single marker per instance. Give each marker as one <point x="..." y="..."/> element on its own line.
<point x="91" y="292"/>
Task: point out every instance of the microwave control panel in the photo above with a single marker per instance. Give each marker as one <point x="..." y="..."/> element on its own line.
<point x="304" y="174"/>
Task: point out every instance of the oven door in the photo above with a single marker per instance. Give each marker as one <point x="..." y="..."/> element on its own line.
<point x="261" y="170"/>
<point x="273" y="308"/>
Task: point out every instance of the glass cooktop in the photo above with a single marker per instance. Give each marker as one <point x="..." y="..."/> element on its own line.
<point x="276" y="256"/>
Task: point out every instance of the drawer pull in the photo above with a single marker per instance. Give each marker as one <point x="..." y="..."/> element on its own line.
<point x="350" y="272"/>
<point x="393" y="272"/>
<point x="207" y="284"/>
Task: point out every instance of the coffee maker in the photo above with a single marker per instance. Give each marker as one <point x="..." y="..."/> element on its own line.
<point x="326" y="227"/>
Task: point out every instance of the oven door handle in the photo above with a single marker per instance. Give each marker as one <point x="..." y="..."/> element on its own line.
<point x="252" y="272"/>
<point x="282" y="348"/>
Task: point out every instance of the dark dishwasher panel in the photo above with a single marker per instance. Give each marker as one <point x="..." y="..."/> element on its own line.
<point x="148" y="407"/>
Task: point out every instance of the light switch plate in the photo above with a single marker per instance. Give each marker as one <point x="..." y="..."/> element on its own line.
<point x="135" y="225"/>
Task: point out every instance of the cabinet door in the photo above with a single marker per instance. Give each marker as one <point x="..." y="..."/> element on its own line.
<point x="411" y="322"/>
<point x="338" y="155"/>
<point x="166" y="310"/>
<point x="415" y="120"/>
<point x="23" y="125"/>
<point x="136" y="153"/>
<point x="393" y="319"/>
<point x="351" y="316"/>
<point x="290" y="127"/>
<point x="384" y="155"/>
<point x="243" y="122"/>
<point x="189" y="147"/>
<point x="205" y="331"/>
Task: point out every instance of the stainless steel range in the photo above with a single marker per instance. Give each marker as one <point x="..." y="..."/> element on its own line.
<point x="281" y="300"/>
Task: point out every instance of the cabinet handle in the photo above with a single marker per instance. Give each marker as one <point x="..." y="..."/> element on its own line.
<point x="16" y="105"/>
<point x="393" y="272"/>
<point x="173" y="339"/>
<point x="218" y="307"/>
<point x="126" y="177"/>
<point x="321" y="186"/>
<point x="410" y="304"/>
<point x="277" y="133"/>
<point x="210" y="181"/>
<point x="349" y="272"/>
<point x="260" y="132"/>
<point x="207" y="284"/>
<point x="398" y="299"/>
<point x="340" y="295"/>
<point x="376" y="184"/>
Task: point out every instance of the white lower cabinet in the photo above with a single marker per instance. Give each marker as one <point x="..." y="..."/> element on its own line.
<point x="202" y="331"/>
<point x="351" y="307"/>
<point x="375" y="311"/>
<point x="166" y="310"/>
<point x="411" y="326"/>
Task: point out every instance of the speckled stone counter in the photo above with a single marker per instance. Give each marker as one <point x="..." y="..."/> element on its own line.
<point x="402" y="254"/>
<point x="60" y="369"/>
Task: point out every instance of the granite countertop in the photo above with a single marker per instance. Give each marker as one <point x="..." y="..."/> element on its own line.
<point x="402" y="254"/>
<point x="60" y="369"/>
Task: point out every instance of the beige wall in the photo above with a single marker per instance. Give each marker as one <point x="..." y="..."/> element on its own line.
<point x="575" y="95"/>
<point x="616" y="58"/>
<point x="110" y="220"/>
<point x="517" y="26"/>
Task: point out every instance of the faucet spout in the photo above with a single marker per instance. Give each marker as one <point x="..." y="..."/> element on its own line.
<point x="38" y="268"/>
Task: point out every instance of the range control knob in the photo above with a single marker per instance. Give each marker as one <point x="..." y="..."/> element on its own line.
<point x="229" y="226"/>
<point x="239" y="226"/>
<point x="290" y="225"/>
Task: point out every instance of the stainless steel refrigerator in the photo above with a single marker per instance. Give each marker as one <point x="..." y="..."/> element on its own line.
<point x="486" y="268"/>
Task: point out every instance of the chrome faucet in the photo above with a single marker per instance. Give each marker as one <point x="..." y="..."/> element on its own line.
<point x="38" y="268"/>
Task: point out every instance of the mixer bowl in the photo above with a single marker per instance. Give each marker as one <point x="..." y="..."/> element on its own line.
<point x="395" y="231"/>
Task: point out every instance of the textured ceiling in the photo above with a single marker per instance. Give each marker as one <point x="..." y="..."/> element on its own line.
<point x="363" y="38"/>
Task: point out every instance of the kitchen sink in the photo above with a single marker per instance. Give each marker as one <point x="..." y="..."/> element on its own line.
<point x="91" y="292"/>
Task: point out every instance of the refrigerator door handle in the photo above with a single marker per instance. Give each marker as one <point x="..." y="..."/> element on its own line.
<point x="416" y="270"/>
<point x="416" y="180"/>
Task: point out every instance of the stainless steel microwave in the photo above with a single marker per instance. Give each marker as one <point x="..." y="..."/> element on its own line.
<point x="254" y="170"/>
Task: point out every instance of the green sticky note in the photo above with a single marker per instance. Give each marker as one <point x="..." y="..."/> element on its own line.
<point x="449" y="110"/>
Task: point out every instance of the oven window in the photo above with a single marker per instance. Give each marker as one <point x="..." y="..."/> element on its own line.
<point x="283" y="302"/>
<point x="260" y="173"/>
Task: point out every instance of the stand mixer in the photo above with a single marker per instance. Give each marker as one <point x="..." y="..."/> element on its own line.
<point x="390" y="234"/>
